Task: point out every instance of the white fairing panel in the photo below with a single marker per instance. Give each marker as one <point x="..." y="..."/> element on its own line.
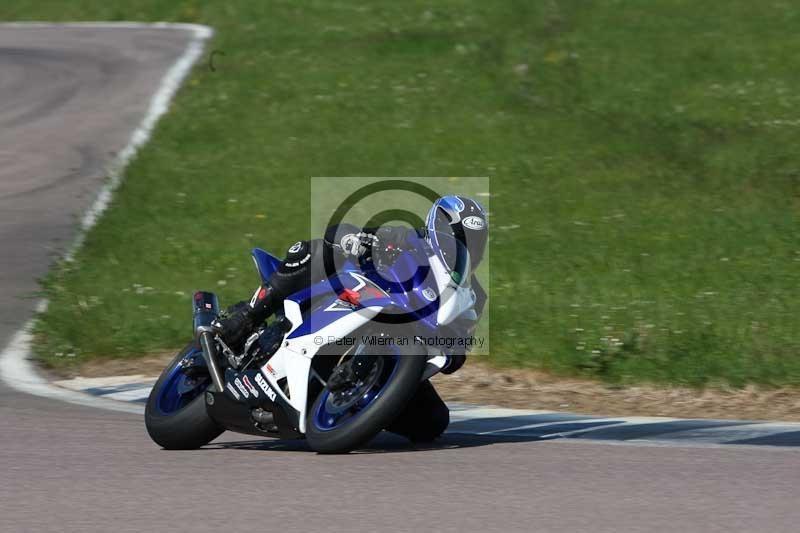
<point x="293" y="358"/>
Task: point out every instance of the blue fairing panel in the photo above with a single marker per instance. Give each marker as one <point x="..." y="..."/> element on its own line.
<point x="326" y="311"/>
<point x="266" y="263"/>
<point x="325" y="294"/>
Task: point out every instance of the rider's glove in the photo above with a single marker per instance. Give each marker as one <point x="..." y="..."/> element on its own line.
<point x="357" y="244"/>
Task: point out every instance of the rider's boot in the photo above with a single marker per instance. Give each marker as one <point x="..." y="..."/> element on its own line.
<point x="242" y="318"/>
<point x="273" y="335"/>
<point x="454" y="362"/>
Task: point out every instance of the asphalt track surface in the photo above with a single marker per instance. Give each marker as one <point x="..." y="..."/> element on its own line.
<point x="69" y="99"/>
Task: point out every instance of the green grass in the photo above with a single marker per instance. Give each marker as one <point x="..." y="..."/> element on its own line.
<point x="643" y="155"/>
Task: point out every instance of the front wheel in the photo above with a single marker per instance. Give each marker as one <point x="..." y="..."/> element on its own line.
<point x="175" y="414"/>
<point x="339" y="422"/>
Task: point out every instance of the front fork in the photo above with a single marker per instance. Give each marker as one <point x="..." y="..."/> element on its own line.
<point x="362" y="364"/>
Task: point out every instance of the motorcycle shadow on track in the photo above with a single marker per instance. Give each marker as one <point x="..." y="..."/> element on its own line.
<point x="499" y="430"/>
<point x="384" y="443"/>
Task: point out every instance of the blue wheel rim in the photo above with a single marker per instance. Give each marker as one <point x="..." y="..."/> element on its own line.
<point x="326" y="420"/>
<point x="178" y="389"/>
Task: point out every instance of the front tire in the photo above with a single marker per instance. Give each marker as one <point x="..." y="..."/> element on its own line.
<point x="401" y="383"/>
<point x="181" y="424"/>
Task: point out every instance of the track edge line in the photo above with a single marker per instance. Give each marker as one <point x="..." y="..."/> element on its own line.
<point x="17" y="369"/>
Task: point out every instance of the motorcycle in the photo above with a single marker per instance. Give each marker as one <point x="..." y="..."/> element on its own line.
<point x="378" y="316"/>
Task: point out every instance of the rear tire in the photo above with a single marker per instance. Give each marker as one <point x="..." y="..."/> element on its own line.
<point x="376" y="416"/>
<point x="185" y="429"/>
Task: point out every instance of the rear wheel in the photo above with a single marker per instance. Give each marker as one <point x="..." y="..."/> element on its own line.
<point x="341" y="421"/>
<point x="175" y="414"/>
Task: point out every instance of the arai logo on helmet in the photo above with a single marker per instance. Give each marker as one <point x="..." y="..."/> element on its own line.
<point x="429" y="294"/>
<point x="474" y="223"/>
<point x="296" y="247"/>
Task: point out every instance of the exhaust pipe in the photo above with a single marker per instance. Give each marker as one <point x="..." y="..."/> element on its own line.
<point x="206" y="336"/>
<point x="206" y="308"/>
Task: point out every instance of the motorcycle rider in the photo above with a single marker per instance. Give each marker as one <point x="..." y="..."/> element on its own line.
<point x="458" y="216"/>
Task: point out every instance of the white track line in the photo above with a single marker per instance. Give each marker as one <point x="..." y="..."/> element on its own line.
<point x="130" y="395"/>
<point x="483" y="421"/>
<point x="16" y="368"/>
<point x="18" y="371"/>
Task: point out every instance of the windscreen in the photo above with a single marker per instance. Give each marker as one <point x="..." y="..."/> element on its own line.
<point x="453" y="254"/>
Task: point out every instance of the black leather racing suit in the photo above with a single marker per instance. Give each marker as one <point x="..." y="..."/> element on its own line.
<point x="303" y="265"/>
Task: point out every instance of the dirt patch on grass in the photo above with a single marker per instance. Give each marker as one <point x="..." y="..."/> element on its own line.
<point x="528" y="389"/>
<point x="149" y="365"/>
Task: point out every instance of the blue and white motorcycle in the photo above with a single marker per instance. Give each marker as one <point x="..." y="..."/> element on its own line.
<point x="379" y="317"/>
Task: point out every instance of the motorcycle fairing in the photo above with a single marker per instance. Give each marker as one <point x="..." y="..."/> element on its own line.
<point x="266" y="263"/>
<point x="320" y="315"/>
<point x="328" y="304"/>
<point x="330" y="320"/>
